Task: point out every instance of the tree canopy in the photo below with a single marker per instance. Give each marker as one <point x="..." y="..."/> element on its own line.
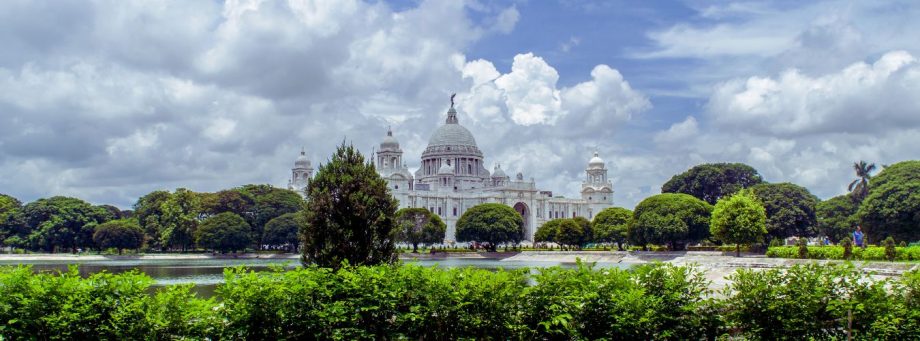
<point x="611" y="225"/>
<point x="712" y="181"/>
<point x="859" y="188"/>
<point x="119" y="234"/>
<point x="11" y="223"/>
<point x="739" y="219"/>
<point x="149" y="213"/>
<point x="419" y="226"/>
<point x="547" y="231"/>
<point x="284" y="231"/>
<point x="837" y="217"/>
<point x="268" y="203"/>
<point x="224" y="232"/>
<point x="790" y="209"/>
<point x="570" y="233"/>
<point x="179" y="219"/>
<point x="62" y="222"/>
<point x="350" y="214"/>
<point x="670" y="218"/>
<point x="892" y="208"/>
<point x="491" y="223"/>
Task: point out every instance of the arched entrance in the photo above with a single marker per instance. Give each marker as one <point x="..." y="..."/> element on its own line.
<point x="524" y="211"/>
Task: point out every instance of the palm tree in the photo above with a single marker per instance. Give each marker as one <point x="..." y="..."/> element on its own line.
<point x="860" y="187"/>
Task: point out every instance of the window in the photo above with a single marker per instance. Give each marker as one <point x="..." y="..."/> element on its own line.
<point x="573" y="214"/>
<point x="439" y="210"/>
<point x="469" y="169"/>
<point x="455" y="211"/>
<point x="397" y="186"/>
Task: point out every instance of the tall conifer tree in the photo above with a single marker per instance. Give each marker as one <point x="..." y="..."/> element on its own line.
<point x="349" y="214"/>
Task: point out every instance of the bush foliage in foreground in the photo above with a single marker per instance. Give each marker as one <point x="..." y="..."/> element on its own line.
<point x="658" y="301"/>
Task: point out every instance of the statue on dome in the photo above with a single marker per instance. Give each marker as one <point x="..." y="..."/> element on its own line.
<point x="452" y="99"/>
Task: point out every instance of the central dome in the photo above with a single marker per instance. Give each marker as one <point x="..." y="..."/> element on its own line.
<point x="452" y="133"/>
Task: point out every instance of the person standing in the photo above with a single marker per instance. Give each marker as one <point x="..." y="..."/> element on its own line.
<point x="858" y="236"/>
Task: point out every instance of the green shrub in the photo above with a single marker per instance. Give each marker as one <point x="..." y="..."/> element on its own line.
<point x="847" y="244"/>
<point x="814" y="301"/>
<point x="657" y="301"/>
<point x="871" y="253"/>
<point x="890" y="252"/>
<point x="802" y="244"/>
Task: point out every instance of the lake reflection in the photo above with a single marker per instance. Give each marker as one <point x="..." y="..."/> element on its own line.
<point x="206" y="274"/>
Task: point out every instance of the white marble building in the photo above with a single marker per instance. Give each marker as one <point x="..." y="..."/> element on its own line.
<point x="452" y="178"/>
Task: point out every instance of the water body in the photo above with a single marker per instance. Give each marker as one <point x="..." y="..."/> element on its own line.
<point x="206" y="274"/>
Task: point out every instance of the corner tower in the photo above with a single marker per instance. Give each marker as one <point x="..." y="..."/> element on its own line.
<point x="596" y="190"/>
<point x="301" y="174"/>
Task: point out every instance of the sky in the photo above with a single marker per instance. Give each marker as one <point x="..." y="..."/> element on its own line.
<point x="109" y="100"/>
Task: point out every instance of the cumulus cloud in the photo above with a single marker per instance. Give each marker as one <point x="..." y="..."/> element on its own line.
<point x="678" y="132"/>
<point x="532" y="97"/>
<point x="845" y="101"/>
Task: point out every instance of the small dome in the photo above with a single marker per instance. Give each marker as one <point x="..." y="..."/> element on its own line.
<point x="302" y="161"/>
<point x="498" y="172"/>
<point x="389" y="142"/>
<point x="596" y="162"/>
<point x="445" y="169"/>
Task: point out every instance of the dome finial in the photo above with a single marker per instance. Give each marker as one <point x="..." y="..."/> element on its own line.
<point x="452" y="99"/>
<point x="302" y="152"/>
<point x="389" y="131"/>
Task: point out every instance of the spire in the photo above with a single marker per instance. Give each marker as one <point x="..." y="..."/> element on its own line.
<point x="452" y="113"/>
<point x="389" y="131"/>
<point x="302" y="152"/>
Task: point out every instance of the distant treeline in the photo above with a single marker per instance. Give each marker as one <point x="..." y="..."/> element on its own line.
<point x="249" y="217"/>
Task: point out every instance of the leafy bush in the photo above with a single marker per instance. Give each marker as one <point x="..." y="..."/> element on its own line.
<point x="815" y="302"/>
<point x="102" y="306"/>
<point x="877" y="253"/>
<point x="657" y="301"/>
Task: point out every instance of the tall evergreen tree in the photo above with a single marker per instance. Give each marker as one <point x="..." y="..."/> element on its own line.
<point x="349" y="215"/>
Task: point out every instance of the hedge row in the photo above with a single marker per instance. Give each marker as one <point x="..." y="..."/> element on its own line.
<point x="412" y="302"/>
<point x="910" y="253"/>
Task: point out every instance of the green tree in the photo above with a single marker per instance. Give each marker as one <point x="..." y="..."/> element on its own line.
<point x="570" y="233"/>
<point x="268" y="203"/>
<point x="490" y="223"/>
<point x="739" y="219"/>
<point x="234" y="200"/>
<point x="119" y="234"/>
<point x="837" y="217"/>
<point x="419" y="226"/>
<point x="284" y="231"/>
<point x="546" y="233"/>
<point x="149" y="214"/>
<point x="115" y="212"/>
<point x="179" y="219"/>
<point x="62" y="222"/>
<point x="224" y="232"/>
<point x="712" y="181"/>
<point x="349" y="215"/>
<point x="790" y="210"/>
<point x="13" y="231"/>
<point x="670" y="218"/>
<point x="588" y="232"/>
<point x="611" y="225"/>
<point x="859" y="188"/>
<point x="893" y="205"/>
